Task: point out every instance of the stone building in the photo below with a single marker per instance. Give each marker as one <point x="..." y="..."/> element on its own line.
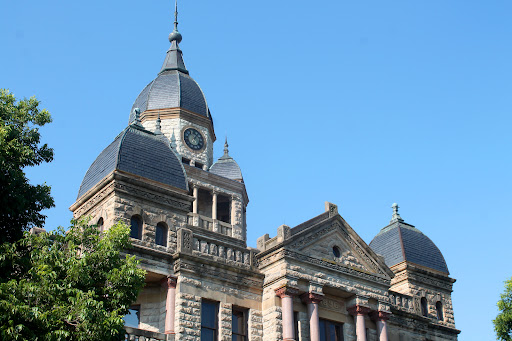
<point x="316" y="281"/>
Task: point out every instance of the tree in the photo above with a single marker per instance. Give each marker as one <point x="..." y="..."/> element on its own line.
<point x="70" y="285"/>
<point x="503" y="322"/>
<point x="21" y="202"/>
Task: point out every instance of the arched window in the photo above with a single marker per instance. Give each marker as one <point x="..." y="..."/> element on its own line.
<point x="439" y="309"/>
<point x="161" y="234"/>
<point x="136" y="227"/>
<point x="424" y="307"/>
<point x="100" y="224"/>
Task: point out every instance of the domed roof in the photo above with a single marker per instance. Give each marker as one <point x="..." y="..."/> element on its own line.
<point x="400" y="242"/>
<point x="140" y="152"/>
<point x="227" y="167"/>
<point x="173" y="87"/>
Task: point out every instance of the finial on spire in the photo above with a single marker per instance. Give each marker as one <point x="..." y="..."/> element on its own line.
<point x="173" y="141"/>
<point x="158" y="130"/>
<point x="396" y="216"/>
<point x="175" y="35"/>
<point x="226" y="145"/>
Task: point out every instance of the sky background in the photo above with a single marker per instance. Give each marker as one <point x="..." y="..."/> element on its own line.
<point x="360" y="103"/>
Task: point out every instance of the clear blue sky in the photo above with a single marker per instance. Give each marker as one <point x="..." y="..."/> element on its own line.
<point x="361" y="103"/>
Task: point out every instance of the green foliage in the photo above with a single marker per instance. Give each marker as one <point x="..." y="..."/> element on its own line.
<point x="503" y="322"/>
<point x="21" y="202"/>
<point x="70" y="285"/>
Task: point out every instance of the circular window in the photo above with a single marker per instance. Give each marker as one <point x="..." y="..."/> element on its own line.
<point x="336" y="251"/>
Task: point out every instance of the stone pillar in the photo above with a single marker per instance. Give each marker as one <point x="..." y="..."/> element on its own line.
<point x="312" y="300"/>
<point x="169" y="284"/>
<point x="381" y="318"/>
<point x="233" y="210"/>
<point x="194" y="204"/>
<point x="214" y="205"/>
<point x="359" y="313"/>
<point x="286" y="294"/>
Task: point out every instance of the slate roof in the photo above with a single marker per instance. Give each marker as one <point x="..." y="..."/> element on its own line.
<point x="400" y="242"/>
<point x="227" y="167"/>
<point x="140" y="152"/>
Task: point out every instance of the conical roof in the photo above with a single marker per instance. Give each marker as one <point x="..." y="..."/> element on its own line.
<point x="227" y="167"/>
<point x="173" y="87"/>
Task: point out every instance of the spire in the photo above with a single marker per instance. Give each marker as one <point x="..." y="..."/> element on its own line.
<point x="396" y="217"/>
<point x="158" y="130"/>
<point x="174" y="58"/>
<point x="226" y="145"/>
<point x="173" y="142"/>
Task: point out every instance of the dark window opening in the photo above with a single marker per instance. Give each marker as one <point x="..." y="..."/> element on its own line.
<point x="336" y="252"/>
<point x="224" y="208"/>
<point x="161" y="234"/>
<point x="239" y="325"/>
<point x="100" y="224"/>
<point x="439" y="309"/>
<point x="136" y="227"/>
<point x="204" y="202"/>
<point x="209" y="322"/>
<point x="296" y="324"/>
<point x="331" y="331"/>
<point x="132" y="319"/>
<point x="424" y="307"/>
<point x="185" y="161"/>
<point x="199" y="165"/>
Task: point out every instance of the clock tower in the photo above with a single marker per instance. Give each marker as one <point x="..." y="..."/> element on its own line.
<point x="174" y="104"/>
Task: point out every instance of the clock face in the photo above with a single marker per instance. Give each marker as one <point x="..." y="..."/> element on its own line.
<point x="193" y="139"/>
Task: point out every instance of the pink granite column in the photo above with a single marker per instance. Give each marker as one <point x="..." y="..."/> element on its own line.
<point x="312" y="300"/>
<point x="382" y="327"/>
<point x="169" y="284"/>
<point x="359" y="313"/>
<point x="286" y="295"/>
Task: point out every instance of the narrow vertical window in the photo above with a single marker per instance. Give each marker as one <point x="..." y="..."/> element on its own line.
<point x="239" y="325"/>
<point x="161" y="234"/>
<point x="424" y="307"/>
<point x="439" y="309"/>
<point x="100" y="224"/>
<point x="209" y="322"/>
<point x="136" y="227"/>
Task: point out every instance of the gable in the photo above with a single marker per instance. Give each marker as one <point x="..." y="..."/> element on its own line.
<point x="334" y="241"/>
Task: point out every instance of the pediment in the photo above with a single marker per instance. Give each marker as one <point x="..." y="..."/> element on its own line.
<point x="334" y="241"/>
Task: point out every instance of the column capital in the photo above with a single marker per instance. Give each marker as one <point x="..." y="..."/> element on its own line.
<point x="310" y="297"/>
<point x="215" y="191"/>
<point x="358" y="310"/>
<point x="285" y="291"/>
<point x="169" y="282"/>
<point x="380" y="315"/>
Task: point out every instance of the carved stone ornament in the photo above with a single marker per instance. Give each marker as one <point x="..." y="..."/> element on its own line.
<point x="311" y="297"/>
<point x="286" y="292"/>
<point x="358" y="310"/>
<point x="137" y="191"/>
